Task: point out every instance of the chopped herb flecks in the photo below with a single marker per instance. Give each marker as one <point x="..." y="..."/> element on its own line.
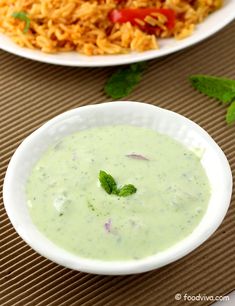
<point x="23" y="16"/>
<point x="90" y="206"/>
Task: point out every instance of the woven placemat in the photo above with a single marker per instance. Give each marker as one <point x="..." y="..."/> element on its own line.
<point x="31" y="93"/>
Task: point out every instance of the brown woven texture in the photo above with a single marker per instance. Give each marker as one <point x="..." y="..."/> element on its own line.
<point x="32" y="93"/>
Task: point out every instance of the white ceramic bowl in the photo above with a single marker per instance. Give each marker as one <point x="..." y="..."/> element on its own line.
<point x="211" y="25"/>
<point x="116" y="113"/>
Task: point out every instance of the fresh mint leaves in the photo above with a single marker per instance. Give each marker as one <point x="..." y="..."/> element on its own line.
<point x="126" y="190"/>
<point x="123" y="81"/>
<point x="107" y="182"/>
<point x="230" y="117"/>
<point x="219" y="88"/>
<point x="110" y="186"/>
<point x="23" y="16"/>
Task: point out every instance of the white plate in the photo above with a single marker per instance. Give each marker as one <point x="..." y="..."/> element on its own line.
<point x="211" y="25"/>
<point x="130" y="113"/>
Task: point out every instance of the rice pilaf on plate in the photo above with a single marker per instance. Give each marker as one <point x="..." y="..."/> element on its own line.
<point x="98" y="27"/>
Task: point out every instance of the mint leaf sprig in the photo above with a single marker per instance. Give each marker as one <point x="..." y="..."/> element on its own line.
<point x="219" y="88"/>
<point x="110" y="186"/>
<point x="126" y="190"/>
<point x="107" y="182"/>
<point x="123" y="81"/>
<point x="230" y="117"/>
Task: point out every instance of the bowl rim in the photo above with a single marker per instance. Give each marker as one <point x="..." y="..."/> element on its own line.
<point x="110" y="60"/>
<point x="65" y="258"/>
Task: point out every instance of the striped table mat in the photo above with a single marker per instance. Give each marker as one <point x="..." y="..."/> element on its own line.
<point x="31" y="93"/>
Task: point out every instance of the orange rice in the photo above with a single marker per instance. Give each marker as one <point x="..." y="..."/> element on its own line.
<point x="84" y="26"/>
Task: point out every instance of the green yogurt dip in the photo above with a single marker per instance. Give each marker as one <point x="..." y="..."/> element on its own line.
<point x="69" y="206"/>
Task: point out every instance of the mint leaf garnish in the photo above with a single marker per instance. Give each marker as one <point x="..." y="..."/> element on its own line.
<point x="230" y="117"/>
<point x="220" y="88"/>
<point x="126" y="190"/>
<point x="123" y="81"/>
<point x="107" y="182"/>
<point x="23" y="16"/>
<point x="110" y="186"/>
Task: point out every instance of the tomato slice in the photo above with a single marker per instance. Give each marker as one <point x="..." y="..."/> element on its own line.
<point x="131" y="15"/>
